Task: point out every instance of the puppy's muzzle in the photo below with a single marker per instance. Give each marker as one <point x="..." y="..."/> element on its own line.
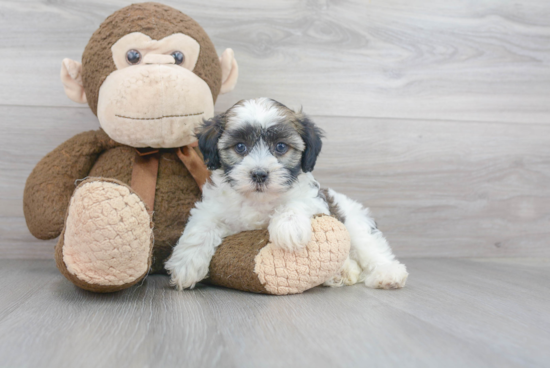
<point x="259" y="176"/>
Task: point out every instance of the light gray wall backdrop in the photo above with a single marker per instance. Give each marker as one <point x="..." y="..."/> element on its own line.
<point x="437" y="112"/>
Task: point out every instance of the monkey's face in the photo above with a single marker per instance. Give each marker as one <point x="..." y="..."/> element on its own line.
<point x="151" y="74"/>
<point x="154" y="99"/>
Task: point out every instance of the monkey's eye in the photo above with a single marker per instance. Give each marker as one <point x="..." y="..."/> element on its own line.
<point x="281" y="148"/>
<point x="178" y="57"/>
<point x="240" y="148"/>
<point x="133" y="57"/>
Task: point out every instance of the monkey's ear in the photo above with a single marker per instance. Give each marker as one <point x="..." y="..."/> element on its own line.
<point x="311" y="135"/>
<point x="71" y="77"/>
<point x="230" y="71"/>
<point x="208" y="135"/>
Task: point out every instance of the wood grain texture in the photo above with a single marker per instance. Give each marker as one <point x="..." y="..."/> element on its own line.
<point x="445" y="188"/>
<point x="469" y="60"/>
<point x="16" y="242"/>
<point x="453" y="313"/>
<point x="436" y="188"/>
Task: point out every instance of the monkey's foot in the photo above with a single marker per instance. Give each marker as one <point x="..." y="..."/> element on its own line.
<point x="107" y="243"/>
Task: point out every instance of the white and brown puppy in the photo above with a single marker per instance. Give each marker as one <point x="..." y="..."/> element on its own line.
<point x="262" y="154"/>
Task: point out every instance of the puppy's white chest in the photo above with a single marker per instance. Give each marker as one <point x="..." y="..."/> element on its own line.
<point x="255" y="216"/>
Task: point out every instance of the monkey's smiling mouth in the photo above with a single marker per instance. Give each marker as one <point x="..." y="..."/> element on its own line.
<point x="160" y="117"/>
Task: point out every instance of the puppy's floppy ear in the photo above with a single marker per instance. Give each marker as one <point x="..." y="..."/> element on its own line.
<point x="311" y="135"/>
<point x="208" y="135"/>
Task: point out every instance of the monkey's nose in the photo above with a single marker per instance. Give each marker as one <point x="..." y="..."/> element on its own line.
<point x="158" y="59"/>
<point x="259" y="176"/>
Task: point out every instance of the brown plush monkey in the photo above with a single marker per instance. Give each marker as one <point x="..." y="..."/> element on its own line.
<point x="119" y="197"/>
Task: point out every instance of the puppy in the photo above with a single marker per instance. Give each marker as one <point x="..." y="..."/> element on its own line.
<point x="262" y="154"/>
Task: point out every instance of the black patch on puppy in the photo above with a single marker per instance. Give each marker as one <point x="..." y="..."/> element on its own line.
<point x="247" y="134"/>
<point x="208" y="135"/>
<point x="311" y="136"/>
<point x="293" y="173"/>
<point x="226" y="169"/>
<point x="333" y="207"/>
<point x="280" y="132"/>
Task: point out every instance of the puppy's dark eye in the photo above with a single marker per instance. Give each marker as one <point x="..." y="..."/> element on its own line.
<point x="178" y="57"/>
<point x="281" y="148"/>
<point x="240" y="148"/>
<point x="133" y="57"/>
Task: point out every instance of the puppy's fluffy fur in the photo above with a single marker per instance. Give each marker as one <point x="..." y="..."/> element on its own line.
<point x="262" y="154"/>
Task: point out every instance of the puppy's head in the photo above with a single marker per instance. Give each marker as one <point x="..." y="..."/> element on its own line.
<point x="261" y="145"/>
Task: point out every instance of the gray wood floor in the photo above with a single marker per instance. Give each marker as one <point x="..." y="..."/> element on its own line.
<point x="453" y="313"/>
<point x="437" y="116"/>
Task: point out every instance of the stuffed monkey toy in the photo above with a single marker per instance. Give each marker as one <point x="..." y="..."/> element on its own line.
<point x="119" y="197"/>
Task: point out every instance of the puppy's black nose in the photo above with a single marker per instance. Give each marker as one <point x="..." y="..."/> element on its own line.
<point x="259" y="176"/>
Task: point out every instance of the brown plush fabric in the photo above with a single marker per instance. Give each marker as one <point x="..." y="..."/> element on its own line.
<point x="156" y="21"/>
<point x="175" y="195"/>
<point x="194" y="162"/>
<point x="51" y="184"/>
<point x="94" y="154"/>
<point x="144" y="177"/>
<point x="233" y="263"/>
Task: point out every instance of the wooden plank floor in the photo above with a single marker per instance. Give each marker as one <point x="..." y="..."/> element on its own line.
<point x="453" y="313"/>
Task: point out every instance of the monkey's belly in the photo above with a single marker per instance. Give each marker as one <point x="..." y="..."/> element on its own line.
<point x="175" y="195"/>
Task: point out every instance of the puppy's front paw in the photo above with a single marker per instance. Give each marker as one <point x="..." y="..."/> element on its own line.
<point x="389" y="276"/>
<point x="187" y="267"/>
<point x="290" y="231"/>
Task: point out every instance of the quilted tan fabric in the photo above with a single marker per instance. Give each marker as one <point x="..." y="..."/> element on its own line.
<point x="107" y="238"/>
<point x="282" y="272"/>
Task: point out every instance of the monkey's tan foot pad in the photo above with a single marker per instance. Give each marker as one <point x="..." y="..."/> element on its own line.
<point x="106" y="244"/>
<point x="247" y="261"/>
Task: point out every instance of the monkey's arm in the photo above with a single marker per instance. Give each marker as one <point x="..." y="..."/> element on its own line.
<point x="50" y="185"/>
